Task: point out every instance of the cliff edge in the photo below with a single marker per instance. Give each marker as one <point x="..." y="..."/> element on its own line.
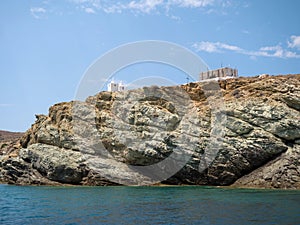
<point x="243" y="132"/>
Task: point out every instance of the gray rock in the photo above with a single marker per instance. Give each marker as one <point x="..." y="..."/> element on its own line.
<point x="56" y="164"/>
<point x="282" y="172"/>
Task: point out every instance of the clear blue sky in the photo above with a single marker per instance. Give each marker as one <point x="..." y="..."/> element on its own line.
<point x="46" y="46"/>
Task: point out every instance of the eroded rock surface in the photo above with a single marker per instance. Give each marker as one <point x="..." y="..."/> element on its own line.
<point x="243" y="132"/>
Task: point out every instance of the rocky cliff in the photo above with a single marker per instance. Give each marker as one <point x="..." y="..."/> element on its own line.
<point x="243" y="132"/>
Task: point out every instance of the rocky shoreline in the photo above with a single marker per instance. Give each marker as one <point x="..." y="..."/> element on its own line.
<point x="239" y="132"/>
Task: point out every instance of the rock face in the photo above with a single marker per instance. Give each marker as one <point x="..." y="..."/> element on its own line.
<point x="9" y="142"/>
<point x="243" y="132"/>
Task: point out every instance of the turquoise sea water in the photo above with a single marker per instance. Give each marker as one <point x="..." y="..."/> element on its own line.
<point x="147" y="205"/>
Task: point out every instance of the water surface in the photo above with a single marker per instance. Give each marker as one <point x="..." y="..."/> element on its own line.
<point x="147" y="205"/>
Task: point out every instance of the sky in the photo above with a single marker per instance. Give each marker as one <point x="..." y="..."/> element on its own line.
<point x="47" y="46"/>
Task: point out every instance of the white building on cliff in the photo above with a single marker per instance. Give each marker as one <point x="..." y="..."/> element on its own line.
<point x="219" y="73"/>
<point x="114" y="86"/>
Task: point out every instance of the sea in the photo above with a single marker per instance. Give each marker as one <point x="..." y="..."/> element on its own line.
<point x="147" y="205"/>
